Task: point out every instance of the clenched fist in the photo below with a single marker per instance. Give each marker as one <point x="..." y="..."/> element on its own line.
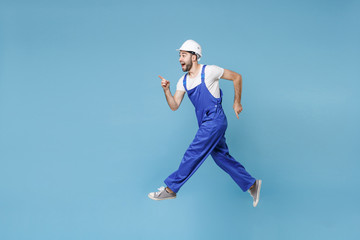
<point x="164" y="83"/>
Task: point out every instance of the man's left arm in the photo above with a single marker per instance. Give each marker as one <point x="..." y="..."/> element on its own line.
<point x="237" y="79"/>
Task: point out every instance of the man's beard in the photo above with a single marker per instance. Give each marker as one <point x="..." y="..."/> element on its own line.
<point x="188" y="66"/>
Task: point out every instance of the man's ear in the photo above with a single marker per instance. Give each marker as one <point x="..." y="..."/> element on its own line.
<point x="193" y="58"/>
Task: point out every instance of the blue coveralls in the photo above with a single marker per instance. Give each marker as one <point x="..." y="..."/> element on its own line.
<point x="209" y="139"/>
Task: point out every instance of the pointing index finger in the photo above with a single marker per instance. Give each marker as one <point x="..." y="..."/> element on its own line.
<point x="161" y="77"/>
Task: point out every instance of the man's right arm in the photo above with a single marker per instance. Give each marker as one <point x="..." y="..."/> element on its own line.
<point x="173" y="101"/>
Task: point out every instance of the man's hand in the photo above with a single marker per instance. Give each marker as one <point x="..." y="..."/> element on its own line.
<point x="173" y="101"/>
<point x="164" y="83"/>
<point x="237" y="108"/>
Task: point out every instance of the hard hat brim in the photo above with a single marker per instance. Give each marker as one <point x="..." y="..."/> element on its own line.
<point x="188" y="51"/>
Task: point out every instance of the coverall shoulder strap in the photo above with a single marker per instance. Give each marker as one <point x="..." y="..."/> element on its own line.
<point x="203" y="74"/>
<point x="184" y="82"/>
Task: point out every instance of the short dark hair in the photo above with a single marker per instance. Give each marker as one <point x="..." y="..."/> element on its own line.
<point x="193" y="53"/>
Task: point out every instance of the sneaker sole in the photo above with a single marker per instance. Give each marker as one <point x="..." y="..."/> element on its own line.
<point x="258" y="194"/>
<point x="158" y="199"/>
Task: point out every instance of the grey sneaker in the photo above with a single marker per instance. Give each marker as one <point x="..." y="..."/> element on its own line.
<point x="255" y="192"/>
<point x="162" y="194"/>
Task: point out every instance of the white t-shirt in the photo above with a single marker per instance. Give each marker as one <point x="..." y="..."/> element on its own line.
<point x="212" y="75"/>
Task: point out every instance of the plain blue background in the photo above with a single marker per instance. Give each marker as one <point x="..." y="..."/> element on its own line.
<point x="86" y="133"/>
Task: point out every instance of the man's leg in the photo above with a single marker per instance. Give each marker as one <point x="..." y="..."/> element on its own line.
<point x="206" y="138"/>
<point x="237" y="171"/>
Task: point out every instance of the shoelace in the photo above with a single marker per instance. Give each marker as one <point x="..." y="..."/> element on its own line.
<point x="162" y="188"/>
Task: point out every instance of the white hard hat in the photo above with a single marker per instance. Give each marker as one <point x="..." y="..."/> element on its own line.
<point x="191" y="46"/>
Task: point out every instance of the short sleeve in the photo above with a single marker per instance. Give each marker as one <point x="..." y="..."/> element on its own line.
<point x="180" y="85"/>
<point x="216" y="71"/>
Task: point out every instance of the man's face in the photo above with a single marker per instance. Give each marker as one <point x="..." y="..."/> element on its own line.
<point x="185" y="61"/>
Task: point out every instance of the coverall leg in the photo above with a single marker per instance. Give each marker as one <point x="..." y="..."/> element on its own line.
<point x="225" y="161"/>
<point x="206" y="139"/>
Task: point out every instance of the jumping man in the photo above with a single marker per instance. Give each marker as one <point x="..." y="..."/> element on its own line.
<point x="201" y="83"/>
